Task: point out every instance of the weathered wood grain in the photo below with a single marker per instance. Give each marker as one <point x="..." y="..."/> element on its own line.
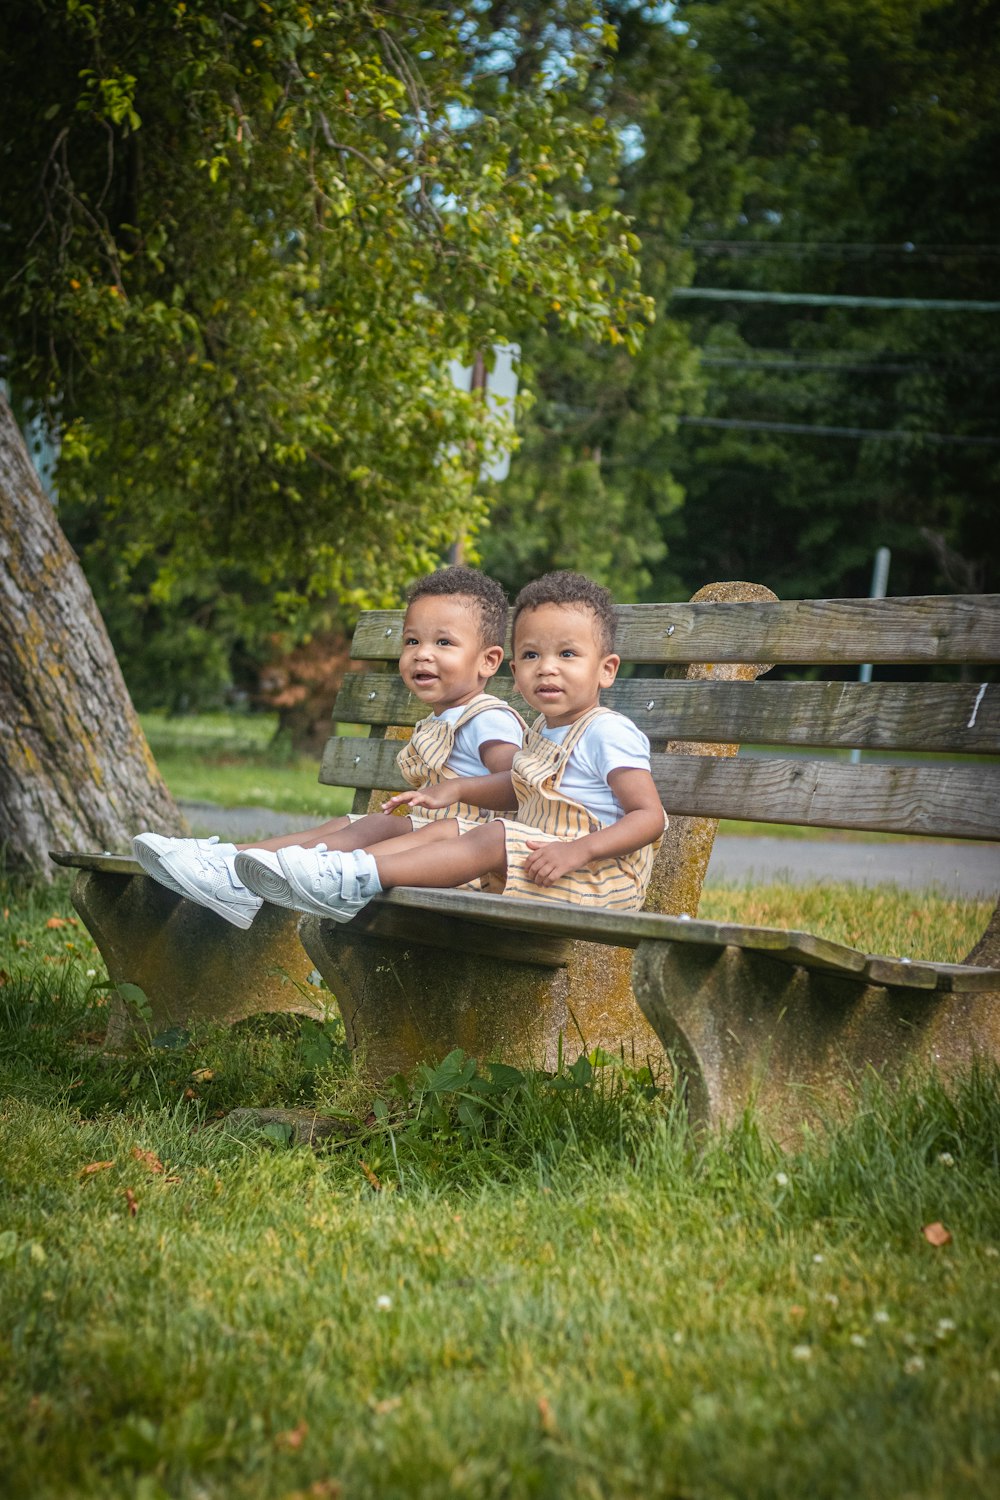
<point x="625" y="929"/>
<point x="928" y="717"/>
<point x="920" y="628"/>
<point x="943" y="801"/>
<point x="629" y="929"/>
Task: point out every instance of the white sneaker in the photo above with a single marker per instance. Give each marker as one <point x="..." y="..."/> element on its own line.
<point x="330" y="884"/>
<point x="261" y="872"/>
<point x="149" y="849"/>
<point x="206" y="876"/>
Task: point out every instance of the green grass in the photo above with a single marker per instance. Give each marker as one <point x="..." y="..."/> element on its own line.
<point x="568" y="1299"/>
<point x="232" y="760"/>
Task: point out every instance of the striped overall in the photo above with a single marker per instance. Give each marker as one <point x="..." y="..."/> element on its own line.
<point x="423" y="761"/>
<point x="612" y="881"/>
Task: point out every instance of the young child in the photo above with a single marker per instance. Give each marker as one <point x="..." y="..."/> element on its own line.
<point x="589" y="815"/>
<point x="453" y="642"/>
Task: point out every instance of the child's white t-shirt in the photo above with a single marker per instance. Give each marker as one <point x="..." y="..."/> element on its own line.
<point x="492" y="724"/>
<point x="611" y="742"/>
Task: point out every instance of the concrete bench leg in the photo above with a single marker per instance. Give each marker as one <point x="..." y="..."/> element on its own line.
<point x="192" y="965"/>
<point x="745" y="1030"/>
<point x="412" y="998"/>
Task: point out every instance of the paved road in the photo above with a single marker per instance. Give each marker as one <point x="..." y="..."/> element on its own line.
<point x="958" y="869"/>
<point x="955" y="869"/>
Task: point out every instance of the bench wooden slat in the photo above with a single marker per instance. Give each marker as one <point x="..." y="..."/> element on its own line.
<point x="942" y="718"/>
<point x="110" y="864"/>
<point x="935" y="800"/>
<point x="626" y="929"/>
<point x="920" y="628"/>
<point x="629" y="929"/>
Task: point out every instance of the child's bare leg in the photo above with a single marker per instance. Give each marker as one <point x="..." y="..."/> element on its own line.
<point x="445" y="861"/>
<point x="340" y="833"/>
<point x="430" y="833"/>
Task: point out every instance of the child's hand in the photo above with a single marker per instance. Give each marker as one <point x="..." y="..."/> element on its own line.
<point x="550" y="860"/>
<point x="424" y="796"/>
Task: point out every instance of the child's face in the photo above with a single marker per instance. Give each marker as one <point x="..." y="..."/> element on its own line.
<point x="558" y="663"/>
<point x="444" y="662"/>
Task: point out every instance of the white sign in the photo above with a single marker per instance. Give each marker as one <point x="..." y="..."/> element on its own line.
<point x="500" y="385"/>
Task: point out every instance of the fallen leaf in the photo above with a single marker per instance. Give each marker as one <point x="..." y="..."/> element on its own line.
<point x="148" y="1159"/>
<point x="95" y="1166"/>
<point x="935" y="1234"/>
<point x="796" y="1311"/>
<point x="546" y="1417"/>
<point x="371" y="1176"/>
<point x="55" y="922"/>
<point x="190" y="1094"/>
<point x="203" y="1075"/>
<point x="292" y="1440"/>
<point x="4" y="977"/>
<point x="130" y="1199"/>
<point x="391" y="1403"/>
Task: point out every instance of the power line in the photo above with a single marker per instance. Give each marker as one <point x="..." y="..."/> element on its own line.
<point x="816" y="364"/>
<point x="970" y="358"/>
<point x="817" y="299"/>
<point x="803" y="249"/>
<point x="876" y="433"/>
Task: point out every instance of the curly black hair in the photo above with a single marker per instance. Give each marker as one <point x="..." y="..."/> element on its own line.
<point x="485" y="593"/>
<point x="572" y="588"/>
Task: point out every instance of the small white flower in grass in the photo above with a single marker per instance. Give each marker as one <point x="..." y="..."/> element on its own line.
<point x="832" y="1298"/>
<point x="817" y="1260"/>
<point x="802" y="1352"/>
<point x="91" y="973"/>
<point x="383" y="1303"/>
<point x="944" y="1327"/>
<point x="781" y="1178"/>
<point x="991" y="1251"/>
<point x="881" y="1316"/>
<point x="678" y="1337"/>
<point x="858" y="1340"/>
<point x="913" y="1365"/>
<point x="945" y="1159"/>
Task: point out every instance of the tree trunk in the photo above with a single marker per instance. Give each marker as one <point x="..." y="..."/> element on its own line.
<point x="75" y="769"/>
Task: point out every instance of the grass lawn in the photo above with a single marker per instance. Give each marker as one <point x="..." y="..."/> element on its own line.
<point x="552" y="1293"/>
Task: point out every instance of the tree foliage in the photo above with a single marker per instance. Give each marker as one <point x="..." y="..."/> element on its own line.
<point x="594" y="482"/>
<point x="242" y="242"/>
<point x="875" y="132"/>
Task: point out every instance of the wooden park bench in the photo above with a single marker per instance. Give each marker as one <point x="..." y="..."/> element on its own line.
<point x="745" y="1013"/>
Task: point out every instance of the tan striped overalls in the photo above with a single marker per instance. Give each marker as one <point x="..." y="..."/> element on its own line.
<point x="423" y="761"/>
<point x="613" y="881"/>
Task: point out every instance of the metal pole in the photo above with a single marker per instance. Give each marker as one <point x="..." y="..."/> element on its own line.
<point x="880" y="579"/>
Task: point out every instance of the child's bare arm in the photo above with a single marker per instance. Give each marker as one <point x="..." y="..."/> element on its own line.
<point x="640" y="824"/>
<point x="495" y="792"/>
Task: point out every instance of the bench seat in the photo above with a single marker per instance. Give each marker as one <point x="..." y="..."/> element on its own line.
<point x="743" y="1013"/>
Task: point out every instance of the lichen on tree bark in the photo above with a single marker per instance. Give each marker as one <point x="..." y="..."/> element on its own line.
<point x="75" y="769"/>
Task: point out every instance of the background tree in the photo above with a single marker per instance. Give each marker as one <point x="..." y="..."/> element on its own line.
<point x="238" y="244"/>
<point x="594" y="481"/>
<point x="875" y="127"/>
<point x="75" y="770"/>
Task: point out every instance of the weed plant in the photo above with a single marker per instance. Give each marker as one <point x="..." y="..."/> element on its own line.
<point x="491" y="1282"/>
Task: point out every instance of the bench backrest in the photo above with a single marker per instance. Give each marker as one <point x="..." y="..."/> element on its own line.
<point x="956" y="794"/>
